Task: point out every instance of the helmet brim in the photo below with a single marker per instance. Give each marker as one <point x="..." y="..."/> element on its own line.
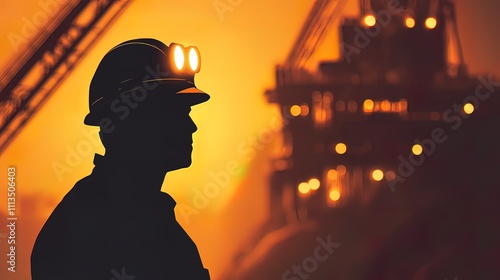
<point x="193" y="95"/>
<point x="184" y="89"/>
<point x="186" y="94"/>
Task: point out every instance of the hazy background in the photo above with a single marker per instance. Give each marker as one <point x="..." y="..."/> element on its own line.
<point x="239" y="51"/>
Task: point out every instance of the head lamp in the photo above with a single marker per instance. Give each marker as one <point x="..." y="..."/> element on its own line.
<point x="184" y="60"/>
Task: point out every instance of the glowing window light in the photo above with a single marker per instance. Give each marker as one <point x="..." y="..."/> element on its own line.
<point x="334" y="195"/>
<point x="377" y="175"/>
<point x="410" y="22"/>
<point x="370" y="20"/>
<point x="178" y="57"/>
<point x="352" y="106"/>
<point x="390" y="175"/>
<point x="332" y="174"/>
<point x="304" y="188"/>
<point x="295" y="110"/>
<point x="368" y="105"/>
<point x="417" y="149"/>
<point x="314" y="184"/>
<point x="403" y="105"/>
<point x="326" y="110"/>
<point x="341" y="169"/>
<point x="385" y="106"/>
<point x="304" y="110"/>
<point x="321" y="108"/>
<point x="394" y="107"/>
<point x="340" y="148"/>
<point x="431" y="23"/>
<point x="468" y="108"/>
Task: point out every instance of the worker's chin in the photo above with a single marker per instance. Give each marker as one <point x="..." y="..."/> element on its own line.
<point x="179" y="164"/>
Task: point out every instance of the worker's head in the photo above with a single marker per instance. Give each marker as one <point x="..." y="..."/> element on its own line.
<point x="140" y="96"/>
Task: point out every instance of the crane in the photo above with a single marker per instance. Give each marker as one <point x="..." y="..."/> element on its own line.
<point x="49" y="58"/>
<point x="322" y="15"/>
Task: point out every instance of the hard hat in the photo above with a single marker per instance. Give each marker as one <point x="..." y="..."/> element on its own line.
<point x="144" y="65"/>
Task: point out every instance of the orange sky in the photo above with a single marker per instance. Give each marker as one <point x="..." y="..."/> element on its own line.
<point x="239" y="51"/>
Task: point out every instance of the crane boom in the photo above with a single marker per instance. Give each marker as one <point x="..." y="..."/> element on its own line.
<point x="321" y="16"/>
<point x="47" y="61"/>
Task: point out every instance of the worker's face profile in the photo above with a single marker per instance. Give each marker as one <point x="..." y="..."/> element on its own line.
<point x="159" y="131"/>
<point x="179" y="136"/>
<point x="171" y="135"/>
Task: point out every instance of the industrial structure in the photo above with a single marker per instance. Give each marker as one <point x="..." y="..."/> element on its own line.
<point x="49" y="58"/>
<point x="401" y="70"/>
<point x="364" y="138"/>
<point x="396" y="125"/>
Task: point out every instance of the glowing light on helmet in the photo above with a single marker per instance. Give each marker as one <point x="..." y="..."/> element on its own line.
<point x="194" y="59"/>
<point x="184" y="60"/>
<point x="178" y="57"/>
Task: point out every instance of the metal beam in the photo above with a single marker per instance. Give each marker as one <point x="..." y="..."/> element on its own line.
<point x="51" y="61"/>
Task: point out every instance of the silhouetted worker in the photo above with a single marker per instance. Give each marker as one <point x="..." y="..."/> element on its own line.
<point x="116" y="224"/>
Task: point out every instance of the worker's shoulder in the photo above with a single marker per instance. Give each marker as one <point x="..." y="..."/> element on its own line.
<point x="73" y="213"/>
<point x="82" y="191"/>
<point x="81" y="199"/>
